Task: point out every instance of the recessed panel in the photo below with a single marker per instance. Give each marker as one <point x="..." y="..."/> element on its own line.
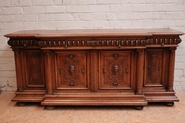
<point x="34" y="68"/>
<point x="71" y="70"/>
<point x="154" y="67"/>
<point x="115" y="70"/>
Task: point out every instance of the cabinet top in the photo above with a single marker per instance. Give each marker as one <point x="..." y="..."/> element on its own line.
<point x="92" y="33"/>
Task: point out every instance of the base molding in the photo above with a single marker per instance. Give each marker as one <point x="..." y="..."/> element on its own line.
<point x="29" y="96"/>
<point x="161" y="97"/>
<point x="94" y="100"/>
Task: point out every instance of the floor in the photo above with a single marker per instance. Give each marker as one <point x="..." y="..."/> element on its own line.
<point x="34" y="113"/>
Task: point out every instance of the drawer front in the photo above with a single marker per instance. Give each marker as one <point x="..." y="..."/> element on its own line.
<point x="115" y="70"/>
<point x="71" y="70"/>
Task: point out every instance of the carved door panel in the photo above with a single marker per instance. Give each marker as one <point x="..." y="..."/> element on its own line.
<point x="155" y="68"/>
<point x="34" y="69"/>
<point x="115" y="69"/>
<point x="71" y="69"/>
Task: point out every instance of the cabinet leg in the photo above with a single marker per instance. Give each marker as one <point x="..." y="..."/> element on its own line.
<point x="138" y="107"/>
<point x="169" y="104"/>
<point x="20" y="104"/>
<point x="49" y="107"/>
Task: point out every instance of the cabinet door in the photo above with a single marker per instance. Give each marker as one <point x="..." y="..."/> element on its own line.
<point x="34" y="69"/>
<point x="155" y="69"/>
<point x="115" y="70"/>
<point x="71" y="69"/>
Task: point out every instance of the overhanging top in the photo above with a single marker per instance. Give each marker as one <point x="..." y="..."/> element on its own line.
<point x="91" y="33"/>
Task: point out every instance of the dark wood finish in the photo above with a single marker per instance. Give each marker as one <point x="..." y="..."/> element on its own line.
<point x="121" y="67"/>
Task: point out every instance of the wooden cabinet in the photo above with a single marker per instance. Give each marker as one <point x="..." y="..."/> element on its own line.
<point x="128" y="67"/>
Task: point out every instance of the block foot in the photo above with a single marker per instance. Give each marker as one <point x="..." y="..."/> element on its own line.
<point x="169" y="104"/>
<point x="138" y="107"/>
<point x="49" y="107"/>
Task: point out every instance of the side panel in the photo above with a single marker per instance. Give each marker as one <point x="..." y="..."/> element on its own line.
<point x="34" y="69"/>
<point x="156" y="68"/>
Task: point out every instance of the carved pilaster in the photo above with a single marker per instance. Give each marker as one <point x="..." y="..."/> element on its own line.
<point x="93" y="70"/>
<point x="18" y="65"/>
<point x="171" y="69"/>
<point x="48" y="73"/>
<point x="140" y="67"/>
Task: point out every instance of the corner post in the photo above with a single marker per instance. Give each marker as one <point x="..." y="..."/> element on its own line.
<point x="171" y="69"/>
<point x="18" y="62"/>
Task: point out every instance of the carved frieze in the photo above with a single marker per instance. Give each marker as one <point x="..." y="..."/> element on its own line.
<point x="23" y="42"/>
<point x="93" y="43"/>
<point x="163" y="41"/>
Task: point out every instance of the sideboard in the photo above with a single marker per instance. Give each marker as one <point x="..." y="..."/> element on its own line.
<point x="95" y="67"/>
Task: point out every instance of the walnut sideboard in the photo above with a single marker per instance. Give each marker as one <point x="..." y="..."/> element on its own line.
<point x="91" y="67"/>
